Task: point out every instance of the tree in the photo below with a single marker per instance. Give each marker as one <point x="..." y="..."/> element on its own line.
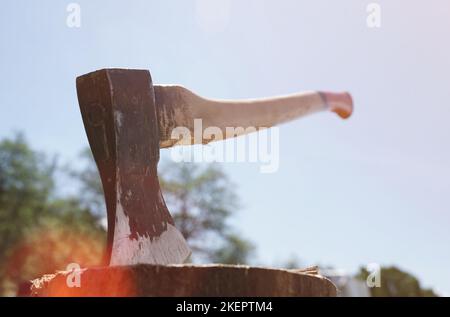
<point x="202" y="199"/>
<point x="39" y="232"/>
<point x="91" y="189"/>
<point x="234" y="250"/>
<point x="396" y="283"/>
<point x="25" y="186"/>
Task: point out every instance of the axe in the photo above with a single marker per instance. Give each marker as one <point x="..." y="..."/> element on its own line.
<point x="128" y="119"/>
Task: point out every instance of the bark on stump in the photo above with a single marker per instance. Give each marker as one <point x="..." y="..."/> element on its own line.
<point x="186" y="280"/>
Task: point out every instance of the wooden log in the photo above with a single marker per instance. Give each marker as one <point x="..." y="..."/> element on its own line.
<point x="186" y="280"/>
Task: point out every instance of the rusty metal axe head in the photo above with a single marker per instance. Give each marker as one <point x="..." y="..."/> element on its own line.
<point x="119" y="114"/>
<point x="128" y="120"/>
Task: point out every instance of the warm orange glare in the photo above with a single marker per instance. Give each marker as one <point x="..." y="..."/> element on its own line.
<point x="52" y="248"/>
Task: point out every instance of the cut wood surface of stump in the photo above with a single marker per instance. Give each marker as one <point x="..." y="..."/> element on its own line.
<point x="185" y="280"/>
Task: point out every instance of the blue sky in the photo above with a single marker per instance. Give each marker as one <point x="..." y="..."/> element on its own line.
<point x="372" y="189"/>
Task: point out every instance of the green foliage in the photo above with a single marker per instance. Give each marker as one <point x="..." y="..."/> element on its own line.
<point x="25" y="186"/>
<point x="91" y="190"/>
<point x="235" y="250"/>
<point x="396" y="283"/>
<point x="201" y="199"/>
<point x="39" y="233"/>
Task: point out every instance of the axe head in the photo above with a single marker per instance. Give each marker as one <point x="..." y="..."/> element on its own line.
<point x="119" y="114"/>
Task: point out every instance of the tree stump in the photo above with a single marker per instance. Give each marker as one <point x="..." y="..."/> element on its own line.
<point x="185" y="280"/>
